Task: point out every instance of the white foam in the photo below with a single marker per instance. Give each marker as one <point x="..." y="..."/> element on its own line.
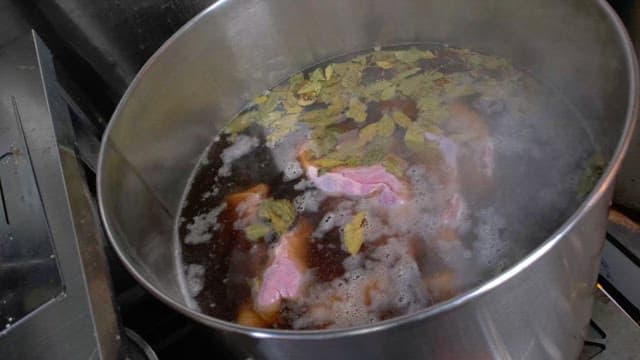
<point x="337" y="218"/>
<point x="199" y="232"/>
<point x="488" y="243"/>
<point x="303" y="185"/>
<point x="309" y="201"/>
<point x="246" y="211"/>
<point x="389" y="281"/>
<point x="292" y="171"/>
<point x="325" y="225"/>
<point x="242" y="145"/>
<point x="285" y="154"/>
<point x="194" y="274"/>
<point x="213" y="192"/>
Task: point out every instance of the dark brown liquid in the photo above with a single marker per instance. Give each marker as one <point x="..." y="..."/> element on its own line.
<point x="448" y="260"/>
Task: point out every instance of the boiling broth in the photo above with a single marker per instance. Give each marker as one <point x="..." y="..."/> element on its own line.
<point x="376" y="185"/>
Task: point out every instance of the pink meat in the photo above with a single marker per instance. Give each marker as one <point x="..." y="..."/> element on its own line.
<point x="448" y="148"/>
<point x="280" y="280"/>
<point x="467" y="121"/>
<point x="455" y="207"/>
<point x="283" y="277"/>
<point x="487" y="158"/>
<point x="453" y="213"/>
<point x="361" y="181"/>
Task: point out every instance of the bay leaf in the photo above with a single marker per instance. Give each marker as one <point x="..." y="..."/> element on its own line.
<point x="281" y="213"/>
<point x="357" y="110"/>
<point x="354" y="233"/>
<point x="256" y="231"/>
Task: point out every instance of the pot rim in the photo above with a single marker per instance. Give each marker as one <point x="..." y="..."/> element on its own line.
<point x="596" y="194"/>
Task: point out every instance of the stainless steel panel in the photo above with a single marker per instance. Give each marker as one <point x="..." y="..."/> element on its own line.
<point x="28" y="269"/>
<point x="81" y="323"/>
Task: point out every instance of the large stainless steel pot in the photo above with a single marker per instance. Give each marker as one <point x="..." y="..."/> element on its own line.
<point x="201" y="77"/>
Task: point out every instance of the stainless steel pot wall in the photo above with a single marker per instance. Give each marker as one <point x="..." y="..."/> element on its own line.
<point x="237" y="48"/>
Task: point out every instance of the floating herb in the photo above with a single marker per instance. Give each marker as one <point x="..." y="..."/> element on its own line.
<point x="475" y="61"/>
<point x="413" y="55"/>
<point x="407" y="73"/>
<point x="295" y="80"/>
<point x="383" y="128"/>
<point x="388" y="93"/>
<point x="395" y="165"/>
<point x="384" y="64"/>
<point x="281" y="214"/>
<point x="375" y="152"/>
<point x="317" y="75"/>
<point x="493" y="63"/>
<point x="328" y="72"/>
<point x="337" y="104"/>
<point x="270" y="104"/>
<point x="354" y="233"/>
<point x="357" y="110"/>
<point x="431" y="111"/>
<point x="350" y="74"/>
<point x="401" y="119"/>
<point x="256" y="231"/>
<point x="375" y="88"/>
<point x="459" y="85"/>
<point x="240" y="123"/>
<point x="414" y="138"/>
<point x="319" y="118"/>
<point x="282" y="127"/>
<point x="346" y="154"/>
<point x="309" y="87"/>
<point x="323" y="140"/>
<point x="418" y="85"/>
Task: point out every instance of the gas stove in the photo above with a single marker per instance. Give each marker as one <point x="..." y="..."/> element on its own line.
<point x="71" y="297"/>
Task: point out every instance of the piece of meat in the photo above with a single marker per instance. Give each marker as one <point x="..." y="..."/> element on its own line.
<point x="487" y="158"/>
<point x="247" y="316"/>
<point x="453" y="212"/>
<point x="476" y="151"/>
<point x="455" y="205"/>
<point x="361" y="181"/>
<point x="369" y="289"/>
<point x="466" y="123"/>
<point x="256" y="192"/>
<point x="387" y="283"/>
<point x="448" y="148"/>
<point x="441" y="286"/>
<point x="357" y="181"/>
<point x="283" y="277"/>
<point x="244" y="205"/>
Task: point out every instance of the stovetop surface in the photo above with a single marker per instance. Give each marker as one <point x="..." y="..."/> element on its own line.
<point x="612" y="333"/>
